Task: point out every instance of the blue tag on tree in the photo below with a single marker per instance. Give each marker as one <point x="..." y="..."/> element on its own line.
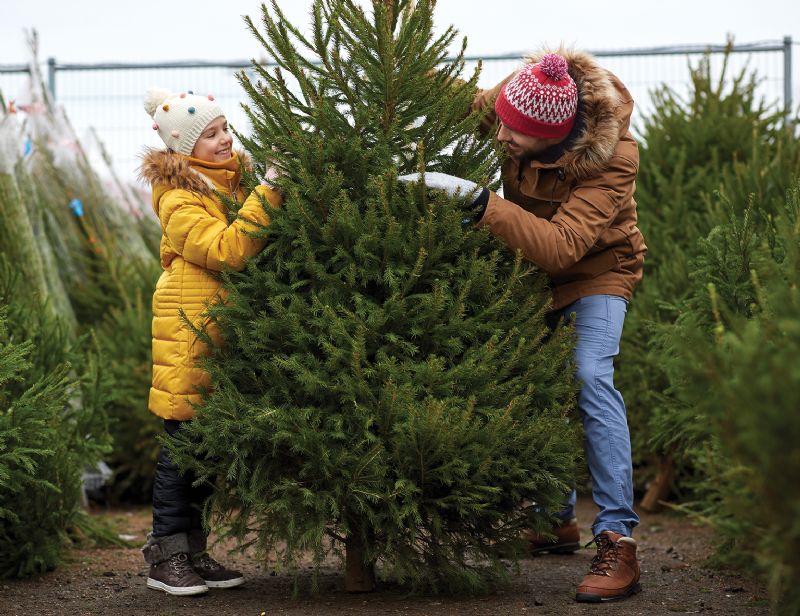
<point x="77" y="207"/>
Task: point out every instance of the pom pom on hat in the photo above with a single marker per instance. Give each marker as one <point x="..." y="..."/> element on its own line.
<point x="180" y="118"/>
<point x="554" y="66"/>
<point x="541" y="100"/>
<point x="153" y="99"/>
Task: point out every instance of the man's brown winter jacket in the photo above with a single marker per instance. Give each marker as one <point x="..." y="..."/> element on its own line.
<point x="571" y="211"/>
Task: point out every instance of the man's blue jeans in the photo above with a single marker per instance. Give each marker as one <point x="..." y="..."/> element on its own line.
<point x="598" y="323"/>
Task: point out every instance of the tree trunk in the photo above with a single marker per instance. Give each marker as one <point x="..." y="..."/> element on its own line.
<point x="359" y="575"/>
<point x="659" y="488"/>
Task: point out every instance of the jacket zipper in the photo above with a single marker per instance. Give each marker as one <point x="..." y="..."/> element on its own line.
<point x="233" y="193"/>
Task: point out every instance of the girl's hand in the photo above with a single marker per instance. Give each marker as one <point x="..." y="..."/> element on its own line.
<point x="270" y="176"/>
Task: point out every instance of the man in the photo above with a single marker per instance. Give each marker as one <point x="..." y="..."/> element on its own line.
<point x="568" y="206"/>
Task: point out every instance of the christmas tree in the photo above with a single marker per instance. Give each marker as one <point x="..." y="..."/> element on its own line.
<point x="718" y="312"/>
<point x="739" y="337"/>
<point x="88" y="266"/>
<point x="387" y="387"/>
<point x="53" y="425"/>
<point x="719" y="150"/>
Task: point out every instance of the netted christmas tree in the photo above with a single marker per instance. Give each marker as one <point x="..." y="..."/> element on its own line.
<point x="90" y="260"/>
<point x="387" y="388"/>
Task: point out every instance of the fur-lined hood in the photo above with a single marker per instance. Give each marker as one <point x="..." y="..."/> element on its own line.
<point x="604" y="115"/>
<point x="165" y="170"/>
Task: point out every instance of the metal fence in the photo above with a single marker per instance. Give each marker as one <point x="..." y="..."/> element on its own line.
<point x="108" y="97"/>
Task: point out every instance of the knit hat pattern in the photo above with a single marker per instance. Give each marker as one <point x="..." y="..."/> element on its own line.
<point x="541" y="100"/>
<point x="180" y="118"/>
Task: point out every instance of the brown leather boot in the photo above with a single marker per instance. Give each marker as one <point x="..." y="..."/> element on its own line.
<point x="567" y="539"/>
<point x="614" y="572"/>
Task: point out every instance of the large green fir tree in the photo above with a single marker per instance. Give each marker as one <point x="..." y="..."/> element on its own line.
<point x="388" y="388"/>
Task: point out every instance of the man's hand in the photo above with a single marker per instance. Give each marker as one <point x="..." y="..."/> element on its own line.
<point x="448" y="183"/>
<point x="477" y="195"/>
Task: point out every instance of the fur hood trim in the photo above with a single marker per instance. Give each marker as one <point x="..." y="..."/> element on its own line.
<point x="173" y="170"/>
<point x="604" y="110"/>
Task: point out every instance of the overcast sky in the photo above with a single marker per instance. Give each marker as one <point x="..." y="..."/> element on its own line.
<point x="95" y="31"/>
<point x="88" y="31"/>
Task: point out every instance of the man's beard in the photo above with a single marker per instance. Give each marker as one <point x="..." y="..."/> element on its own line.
<point x="521" y="156"/>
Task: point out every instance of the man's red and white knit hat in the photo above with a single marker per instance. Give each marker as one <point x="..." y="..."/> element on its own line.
<point x="541" y="100"/>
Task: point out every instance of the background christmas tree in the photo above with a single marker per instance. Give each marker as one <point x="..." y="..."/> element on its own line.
<point x="68" y="367"/>
<point x="738" y="336"/>
<point x="91" y="263"/>
<point x="53" y="426"/>
<point x="721" y="139"/>
<point x="713" y="332"/>
<point x="387" y="384"/>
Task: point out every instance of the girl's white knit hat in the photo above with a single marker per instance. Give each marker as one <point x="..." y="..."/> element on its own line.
<point x="180" y="118"/>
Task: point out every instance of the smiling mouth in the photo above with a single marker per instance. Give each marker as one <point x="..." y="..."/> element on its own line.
<point x="224" y="151"/>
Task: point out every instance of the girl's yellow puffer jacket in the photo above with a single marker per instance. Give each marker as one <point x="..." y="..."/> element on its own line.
<point x="196" y="241"/>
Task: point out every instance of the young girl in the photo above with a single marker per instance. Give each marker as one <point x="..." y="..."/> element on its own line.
<point x="196" y="241"/>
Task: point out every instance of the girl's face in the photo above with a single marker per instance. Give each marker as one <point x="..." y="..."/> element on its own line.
<point x="214" y="143"/>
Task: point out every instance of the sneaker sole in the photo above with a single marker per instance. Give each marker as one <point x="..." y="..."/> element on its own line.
<point x="177" y="590"/>
<point x="564" y="548"/>
<point x="225" y="583"/>
<point x="585" y="597"/>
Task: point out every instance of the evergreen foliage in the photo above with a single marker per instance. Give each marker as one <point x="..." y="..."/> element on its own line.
<point x="721" y="139"/>
<point x="91" y="268"/>
<point x="124" y="337"/>
<point x="712" y="332"/>
<point x="743" y="438"/>
<point x="52" y="426"/>
<point x="387" y="386"/>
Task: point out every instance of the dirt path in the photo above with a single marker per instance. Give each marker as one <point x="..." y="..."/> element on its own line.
<point x="671" y="551"/>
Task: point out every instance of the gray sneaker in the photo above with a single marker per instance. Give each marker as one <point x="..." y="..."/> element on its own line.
<point x="214" y="574"/>
<point x="175" y="576"/>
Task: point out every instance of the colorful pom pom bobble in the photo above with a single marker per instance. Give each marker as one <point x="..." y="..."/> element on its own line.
<point x="155" y="126"/>
<point x="165" y="107"/>
<point x="174" y="134"/>
<point x="210" y="97"/>
<point x="190" y="91"/>
<point x="191" y="110"/>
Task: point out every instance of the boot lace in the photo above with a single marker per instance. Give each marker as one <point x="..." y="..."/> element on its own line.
<point x="180" y="564"/>
<point x="207" y="563"/>
<point x="606" y="557"/>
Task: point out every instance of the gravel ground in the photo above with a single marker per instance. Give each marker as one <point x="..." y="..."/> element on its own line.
<point x="111" y="582"/>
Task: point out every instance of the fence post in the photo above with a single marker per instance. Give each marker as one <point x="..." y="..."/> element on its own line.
<point x="787" y="75"/>
<point x="51" y="77"/>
